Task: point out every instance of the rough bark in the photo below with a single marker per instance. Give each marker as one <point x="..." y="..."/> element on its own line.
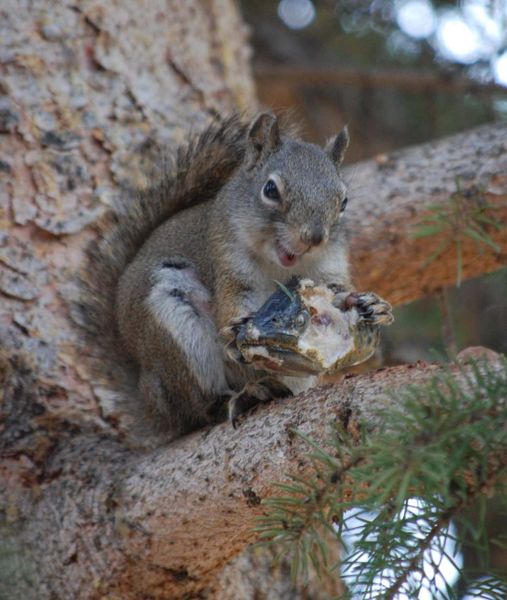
<point x="90" y="91"/>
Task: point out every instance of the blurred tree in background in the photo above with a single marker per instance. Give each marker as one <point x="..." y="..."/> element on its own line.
<point x="398" y="72"/>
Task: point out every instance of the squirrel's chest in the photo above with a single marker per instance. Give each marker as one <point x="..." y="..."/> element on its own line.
<point x="261" y="282"/>
<point x="259" y="290"/>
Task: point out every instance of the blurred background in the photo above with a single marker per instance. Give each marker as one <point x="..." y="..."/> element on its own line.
<point x="398" y="73"/>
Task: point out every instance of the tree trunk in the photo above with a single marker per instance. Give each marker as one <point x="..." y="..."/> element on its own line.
<point x="91" y="90"/>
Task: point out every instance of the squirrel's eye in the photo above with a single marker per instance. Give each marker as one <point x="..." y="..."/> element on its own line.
<point x="344" y="204"/>
<point x="270" y="190"/>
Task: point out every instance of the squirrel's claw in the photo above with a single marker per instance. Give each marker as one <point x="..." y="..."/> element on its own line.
<point x="371" y="308"/>
<point x="233" y="353"/>
<point x="229" y="332"/>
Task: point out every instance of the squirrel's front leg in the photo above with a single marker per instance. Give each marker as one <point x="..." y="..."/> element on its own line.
<point x="180" y="305"/>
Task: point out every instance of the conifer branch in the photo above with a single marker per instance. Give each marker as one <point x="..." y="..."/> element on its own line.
<point x="446" y="443"/>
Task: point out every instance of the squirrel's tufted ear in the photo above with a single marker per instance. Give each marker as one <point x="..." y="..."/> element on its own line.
<point x="337" y="145"/>
<point x="263" y="138"/>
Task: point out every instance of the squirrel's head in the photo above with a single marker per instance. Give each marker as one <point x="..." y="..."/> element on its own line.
<point x="296" y="196"/>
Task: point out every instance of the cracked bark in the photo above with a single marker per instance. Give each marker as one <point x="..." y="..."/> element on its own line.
<point x="88" y="97"/>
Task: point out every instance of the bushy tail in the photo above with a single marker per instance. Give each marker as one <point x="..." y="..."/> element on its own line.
<point x="192" y="174"/>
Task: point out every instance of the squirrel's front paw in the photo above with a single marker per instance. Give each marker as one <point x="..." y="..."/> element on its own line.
<point x="233" y="353"/>
<point x="229" y="332"/>
<point x="229" y="335"/>
<point x="371" y="308"/>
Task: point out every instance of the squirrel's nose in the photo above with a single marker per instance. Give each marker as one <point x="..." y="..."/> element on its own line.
<point x="313" y="236"/>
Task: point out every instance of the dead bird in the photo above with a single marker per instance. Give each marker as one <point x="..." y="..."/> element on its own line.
<point x="304" y="328"/>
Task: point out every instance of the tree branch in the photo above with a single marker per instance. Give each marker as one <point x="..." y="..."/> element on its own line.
<point x="391" y="194"/>
<point x="403" y="79"/>
<point x="168" y="521"/>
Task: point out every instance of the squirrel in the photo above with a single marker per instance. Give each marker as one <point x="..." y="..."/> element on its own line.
<point x="240" y="207"/>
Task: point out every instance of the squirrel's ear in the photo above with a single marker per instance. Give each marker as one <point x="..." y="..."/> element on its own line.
<point x="263" y="138"/>
<point x="337" y="145"/>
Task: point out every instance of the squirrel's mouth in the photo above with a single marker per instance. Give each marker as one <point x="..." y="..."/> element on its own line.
<point x="286" y="256"/>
